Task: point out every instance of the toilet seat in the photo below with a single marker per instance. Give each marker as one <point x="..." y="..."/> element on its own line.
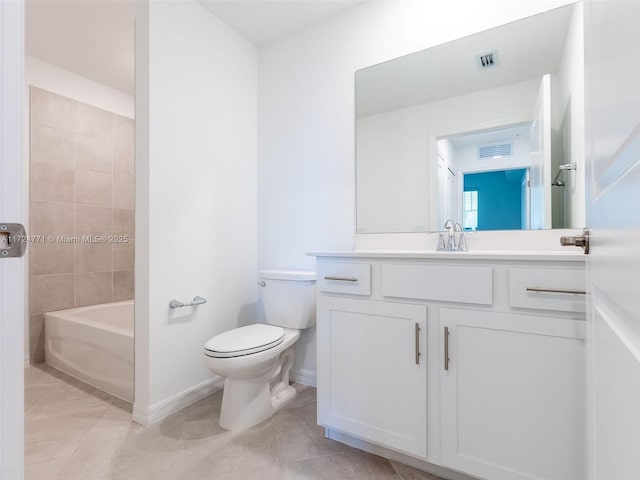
<point x="244" y="341"/>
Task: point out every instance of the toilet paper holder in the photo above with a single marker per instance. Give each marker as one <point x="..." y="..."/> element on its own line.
<point x="197" y="300"/>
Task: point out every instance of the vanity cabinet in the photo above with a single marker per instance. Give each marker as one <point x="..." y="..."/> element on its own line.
<point x="469" y="362"/>
<point x="372" y="371"/>
<point x="512" y="392"/>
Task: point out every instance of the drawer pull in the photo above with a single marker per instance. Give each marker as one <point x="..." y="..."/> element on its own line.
<point x="446" y="348"/>
<point x="417" y="331"/>
<point x="556" y="290"/>
<point x="342" y="279"/>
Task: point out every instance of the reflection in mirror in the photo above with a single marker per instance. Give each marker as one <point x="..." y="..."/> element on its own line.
<point x="442" y="136"/>
<point x="490" y="172"/>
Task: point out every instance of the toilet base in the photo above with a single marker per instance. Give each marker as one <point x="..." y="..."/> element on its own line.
<point x="246" y="403"/>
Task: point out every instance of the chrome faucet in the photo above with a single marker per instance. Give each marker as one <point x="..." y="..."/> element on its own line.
<point x="451" y="240"/>
<point x="460" y="245"/>
<point x="449" y="243"/>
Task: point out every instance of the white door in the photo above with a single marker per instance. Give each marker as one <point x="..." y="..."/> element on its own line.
<point x="11" y="269"/>
<point x="541" y="157"/>
<point x="612" y="33"/>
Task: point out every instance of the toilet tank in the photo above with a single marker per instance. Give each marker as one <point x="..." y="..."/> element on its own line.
<point x="289" y="298"/>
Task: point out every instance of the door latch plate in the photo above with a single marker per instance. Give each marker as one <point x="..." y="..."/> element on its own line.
<point x="13" y="240"/>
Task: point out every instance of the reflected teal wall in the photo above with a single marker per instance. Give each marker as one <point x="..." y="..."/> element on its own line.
<point x="499" y="198"/>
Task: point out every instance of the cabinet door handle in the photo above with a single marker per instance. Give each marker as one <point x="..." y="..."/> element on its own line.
<point x="417" y="332"/>
<point x="556" y="290"/>
<point x="446" y="348"/>
<point x="342" y="279"/>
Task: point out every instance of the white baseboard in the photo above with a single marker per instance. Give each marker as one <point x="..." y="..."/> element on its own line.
<point x="304" y="377"/>
<point x="156" y="412"/>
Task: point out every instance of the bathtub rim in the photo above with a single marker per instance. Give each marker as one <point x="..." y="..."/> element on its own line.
<point x="64" y="315"/>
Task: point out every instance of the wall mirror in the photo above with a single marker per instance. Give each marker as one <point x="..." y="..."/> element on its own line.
<point x="486" y="130"/>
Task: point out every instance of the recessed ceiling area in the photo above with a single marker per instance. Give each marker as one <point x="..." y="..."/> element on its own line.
<point x="95" y="38"/>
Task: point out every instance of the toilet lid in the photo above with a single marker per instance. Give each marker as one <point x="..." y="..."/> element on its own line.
<point x="244" y="341"/>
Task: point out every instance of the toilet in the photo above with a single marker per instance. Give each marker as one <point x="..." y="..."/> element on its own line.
<point x="255" y="360"/>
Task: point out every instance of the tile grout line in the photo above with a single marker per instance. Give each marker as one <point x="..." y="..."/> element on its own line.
<point x="395" y="469"/>
<point x="275" y="435"/>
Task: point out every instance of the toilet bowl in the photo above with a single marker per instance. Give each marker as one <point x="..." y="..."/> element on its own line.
<point x="255" y="360"/>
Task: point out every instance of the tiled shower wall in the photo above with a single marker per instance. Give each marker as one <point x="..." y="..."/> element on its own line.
<point x="81" y="208"/>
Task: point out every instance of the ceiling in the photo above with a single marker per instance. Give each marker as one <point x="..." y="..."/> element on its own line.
<point x="95" y="38"/>
<point x="90" y="38"/>
<point x="266" y="20"/>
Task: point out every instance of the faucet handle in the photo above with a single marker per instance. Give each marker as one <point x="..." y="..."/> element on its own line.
<point x="448" y="225"/>
<point x="462" y="244"/>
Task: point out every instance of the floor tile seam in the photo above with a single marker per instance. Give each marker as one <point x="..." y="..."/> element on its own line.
<point x="395" y="469"/>
<point x="316" y="458"/>
<point x="275" y="436"/>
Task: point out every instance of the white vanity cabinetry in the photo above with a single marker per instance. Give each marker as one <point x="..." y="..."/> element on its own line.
<point x="512" y="395"/>
<point x="371" y="371"/>
<point x="467" y="361"/>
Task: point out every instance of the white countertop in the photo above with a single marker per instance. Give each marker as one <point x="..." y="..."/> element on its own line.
<point x="576" y="256"/>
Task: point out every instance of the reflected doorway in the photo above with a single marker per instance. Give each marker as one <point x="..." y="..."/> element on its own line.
<point x="484" y="178"/>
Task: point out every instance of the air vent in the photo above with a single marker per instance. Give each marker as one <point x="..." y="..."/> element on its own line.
<point x="496" y="150"/>
<point x="487" y="60"/>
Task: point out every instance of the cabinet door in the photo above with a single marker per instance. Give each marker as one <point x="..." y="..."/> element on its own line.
<point x="370" y="382"/>
<point x="513" y="395"/>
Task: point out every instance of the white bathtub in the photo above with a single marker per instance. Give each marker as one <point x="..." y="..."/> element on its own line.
<point x="94" y="344"/>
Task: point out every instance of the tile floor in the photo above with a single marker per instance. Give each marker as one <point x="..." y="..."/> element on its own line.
<point x="77" y="432"/>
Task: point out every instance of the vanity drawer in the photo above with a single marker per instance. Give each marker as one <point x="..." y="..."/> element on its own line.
<point x="461" y="284"/>
<point x="344" y="277"/>
<point x="547" y="289"/>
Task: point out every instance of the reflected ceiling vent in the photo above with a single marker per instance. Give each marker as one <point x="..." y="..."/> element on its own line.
<point x="495" y="150"/>
<point x="487" y="60"/>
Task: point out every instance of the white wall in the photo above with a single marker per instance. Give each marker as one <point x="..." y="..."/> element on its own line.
<point x="55" y="79"/>
<point x="196" y="164"/>
<point x="395" y="167"/>
<point x="306" y="178"/>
